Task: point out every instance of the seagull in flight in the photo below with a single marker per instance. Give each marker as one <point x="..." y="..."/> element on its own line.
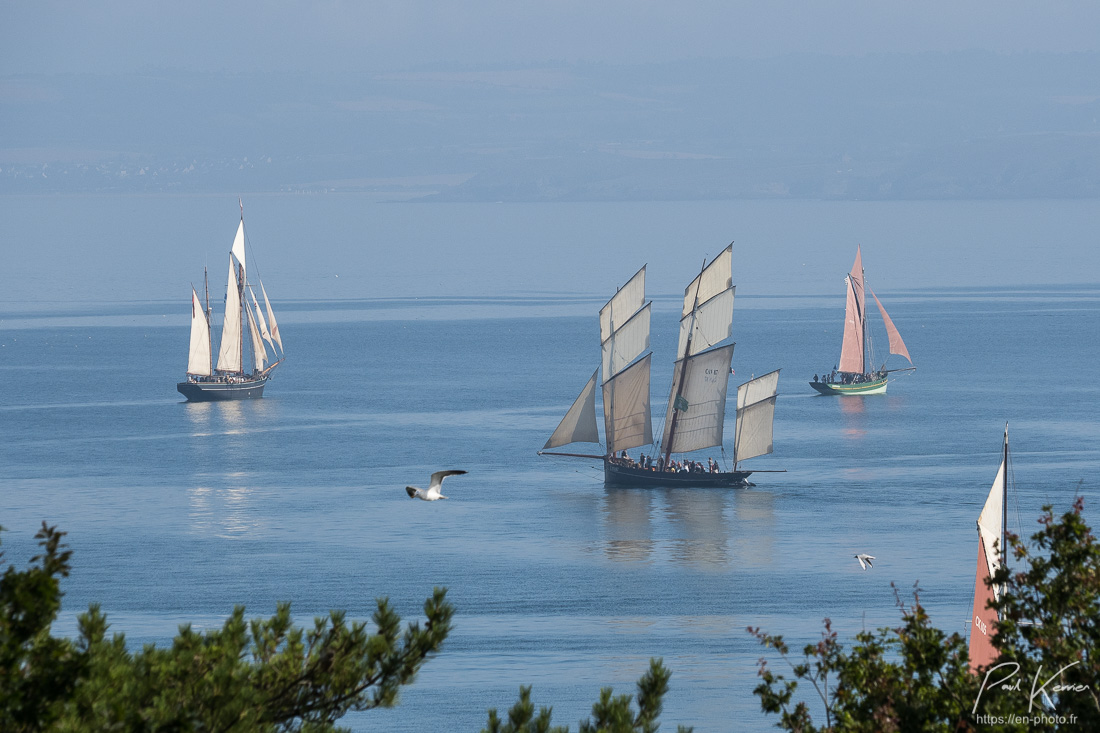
<point x="864" y="560"/>
<point x="432" y="492"/>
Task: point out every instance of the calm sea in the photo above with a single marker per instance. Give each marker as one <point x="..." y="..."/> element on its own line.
<point x="177" y="512"/>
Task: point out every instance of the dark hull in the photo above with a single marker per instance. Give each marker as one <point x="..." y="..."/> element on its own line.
<point x="251" y="389"/>
<point x="618" y="475"/>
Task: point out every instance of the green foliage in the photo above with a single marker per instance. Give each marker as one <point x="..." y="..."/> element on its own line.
<point x="259" y="675"/>
<point x="1050" y="614"/>
<point x="37" y="672"/>
<point x="916" y="677"/>
<point x="612" y="714"/>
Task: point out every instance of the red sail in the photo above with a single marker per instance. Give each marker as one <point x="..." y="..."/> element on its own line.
<point x="851" y="353"/>
<point x="984" y="619"/>
<point x="897" y="346"/>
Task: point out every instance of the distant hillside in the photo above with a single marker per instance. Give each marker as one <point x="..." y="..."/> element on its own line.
<point x="929" y="126"/>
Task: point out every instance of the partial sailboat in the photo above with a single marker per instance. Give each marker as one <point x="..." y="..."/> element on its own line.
<point x="856" y="373"/>
<point x="229" y="380"/>
<point x="991" y="553"/>
<point x="695" y="416"/>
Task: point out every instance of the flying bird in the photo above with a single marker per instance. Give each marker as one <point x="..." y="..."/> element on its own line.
<point x="432" y="492"/>
<point x="865" y="560"/>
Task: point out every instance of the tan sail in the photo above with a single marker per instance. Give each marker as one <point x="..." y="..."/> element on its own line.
<point x="712" y="321"/>
<point x="626" y="408"/>
<point x="700" y="401"/>
<point x="259" y="353"/>
<point x="755" y="416"/>
<point x="229" y="352"/>
<point x="990" y="554"/>
<point x="266" y="334"/>
<point x="715" y="277"/>
<point x="271" y="319"/>
<point x="897" y="346"/>
<point x="626" y="302"/>
<point x="579" y="423"/>
<point x="855" y="317"/>
<point x="627" y="342"/>
<point x="198" y="357"/>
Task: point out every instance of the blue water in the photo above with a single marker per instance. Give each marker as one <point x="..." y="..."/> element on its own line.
<point x="177" y="512"/>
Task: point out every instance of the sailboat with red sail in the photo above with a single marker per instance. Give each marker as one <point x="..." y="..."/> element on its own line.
<point x="991" y="544"/>
<point x="856" y="373"/>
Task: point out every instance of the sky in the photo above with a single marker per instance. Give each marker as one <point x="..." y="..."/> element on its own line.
<point x="118" y="36"/>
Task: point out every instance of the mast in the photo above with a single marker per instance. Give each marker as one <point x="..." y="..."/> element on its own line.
<point x="991" y="558"/>
<point x="209" y="317"/>
<point x="868" y="352"/>
<point x="626" y="405"/>
<point x="683" y="367"/>
<point x="1004" y="501"/>
<point x="607" y="377"/>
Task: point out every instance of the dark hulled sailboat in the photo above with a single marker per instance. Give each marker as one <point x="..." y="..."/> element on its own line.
<point x="695" y="416"/>
<point x="229" y="380"/>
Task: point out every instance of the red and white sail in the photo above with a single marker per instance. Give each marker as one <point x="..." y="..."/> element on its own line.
<point x="990" y="553"/>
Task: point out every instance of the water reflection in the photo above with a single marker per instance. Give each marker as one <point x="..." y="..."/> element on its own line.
<point x="626" y="514"/>
<point x="852" y="409"/>
<point x="755" y="521"/>
<point x="696" y="528"/>
<point x="222" y="454"/>
<point x="228" y="511"/>
<point x="698" y="517"/>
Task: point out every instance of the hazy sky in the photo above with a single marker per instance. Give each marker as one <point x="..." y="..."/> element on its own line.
<point x="51" y="36"/>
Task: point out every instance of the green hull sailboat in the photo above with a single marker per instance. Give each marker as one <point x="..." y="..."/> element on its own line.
<point x="855" y="374"/>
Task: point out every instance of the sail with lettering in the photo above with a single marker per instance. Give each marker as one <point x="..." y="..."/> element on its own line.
<point x="856" y="373"/>
<point x="231" y="378"/>
<point x="991" y="553"/>
<point x="696" y="411"/>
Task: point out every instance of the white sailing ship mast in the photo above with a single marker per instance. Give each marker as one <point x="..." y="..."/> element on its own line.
<point x="695" y="416"/>
<point x="624" y="335"/>
<point x="238" y="311"/>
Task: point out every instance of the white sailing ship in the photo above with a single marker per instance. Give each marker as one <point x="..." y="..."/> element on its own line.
<point x="229" y="380"/>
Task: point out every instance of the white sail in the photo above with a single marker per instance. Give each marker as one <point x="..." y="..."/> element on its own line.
<point x="713" y="323"/>
<point x="627" y="342"/>
<point x="229" y="353"/>
<point x="991" y="520"/>
<point x="271" y="319"/>
<point x="626" y="407"/>
<point x="579" y="423"/>
<point x="755" y="414"/>
<point x="699" y="405"/>
<point x="260" y="318"/>
<point x="238" y="244"/>
<point x="715" y="277"/>
<point x="259" y="353"/>
<point x="198" y="358"/>
<point x="623" y="306"/>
